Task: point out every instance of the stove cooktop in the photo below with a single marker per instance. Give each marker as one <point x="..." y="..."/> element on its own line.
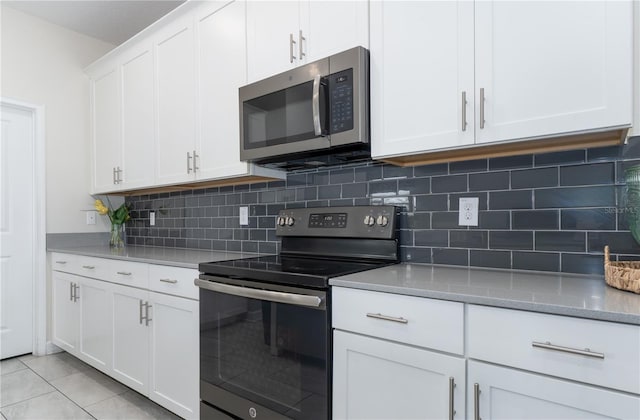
<point x="289" y="270"/>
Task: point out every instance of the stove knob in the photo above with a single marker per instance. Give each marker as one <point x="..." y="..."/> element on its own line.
<point x="382" y="220"/>
<point x="281" y="221"/>
<point x="369" y="220"/>
<point x="290" y="221"/>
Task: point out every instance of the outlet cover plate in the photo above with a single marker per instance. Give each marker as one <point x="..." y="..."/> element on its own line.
<point x="244" y="216"/>
<point x="91" y="217"/>
<point x="468" y="211"/>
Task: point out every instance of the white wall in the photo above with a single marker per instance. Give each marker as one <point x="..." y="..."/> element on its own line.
<point x="43" y="64"/>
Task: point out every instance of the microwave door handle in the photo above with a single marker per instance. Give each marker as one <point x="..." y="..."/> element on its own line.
<point x="316" y="106"/>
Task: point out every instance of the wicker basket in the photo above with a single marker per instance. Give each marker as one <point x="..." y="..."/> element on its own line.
<point x="624" y="275"/>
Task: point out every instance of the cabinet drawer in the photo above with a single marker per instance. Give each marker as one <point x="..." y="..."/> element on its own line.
<point x="63" y="262"/>
<point x="595" y="352"/>
<point x="173" y="280"/>
<point x="422" y="322"/>
<point x="129" y="273"/>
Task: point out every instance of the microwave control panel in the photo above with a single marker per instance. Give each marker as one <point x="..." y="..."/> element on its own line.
<point x="341" y="99"/>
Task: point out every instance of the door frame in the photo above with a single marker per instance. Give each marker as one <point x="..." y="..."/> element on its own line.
<point x="39" y="262"/>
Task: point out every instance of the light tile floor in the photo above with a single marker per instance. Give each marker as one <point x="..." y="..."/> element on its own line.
<point x="59" y="386"/>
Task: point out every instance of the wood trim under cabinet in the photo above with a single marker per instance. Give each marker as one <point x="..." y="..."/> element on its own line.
<point x="554" y="144"/>
<point x="249" y="179"/>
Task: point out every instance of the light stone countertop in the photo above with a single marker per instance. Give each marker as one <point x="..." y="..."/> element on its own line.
<point x="553" y="293"/>
<point x="177" y="257"/>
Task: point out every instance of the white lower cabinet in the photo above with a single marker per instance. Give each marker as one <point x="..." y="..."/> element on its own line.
<point x="174" y="327"/>
<point x="65" y="311"/>
<point x="379" y="379"/>
<point x="503" y="393"/>
<point x="130" y="338"/>
<point x="147" y="340"/>
<point x="94" y="300"/>
<point x="391" y="362"/>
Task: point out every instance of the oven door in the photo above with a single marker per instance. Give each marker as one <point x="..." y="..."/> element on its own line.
<point x="264" y="353"/>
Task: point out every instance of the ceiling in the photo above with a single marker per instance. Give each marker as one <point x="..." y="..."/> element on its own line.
<point x="112" y="21"/>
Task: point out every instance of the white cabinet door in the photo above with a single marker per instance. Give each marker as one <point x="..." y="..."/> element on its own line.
<point x="137" y="116"/>
<point x="175" y="70"/>
<point x="107" y="138"/>
<point x="130" y="338"/>
<point x="175" y="345"/>
<point x="512" y="394"/>
<point x="271" y="25"/>
<point x="552" y="67"/>
<point x="222" y="69"/>
<point x="66" y="313"/>
<point x="330" y="27"/>
<point x="421" y="66"/>
<point x="95" y="306"/>
<point x="378" y="379"/>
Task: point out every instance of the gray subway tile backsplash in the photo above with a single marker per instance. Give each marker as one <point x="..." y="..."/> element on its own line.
<point x="549" y="212"/>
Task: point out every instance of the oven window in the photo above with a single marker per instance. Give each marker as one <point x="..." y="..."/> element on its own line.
<point x="281" y="117"/>
<point x="270" y="353"/>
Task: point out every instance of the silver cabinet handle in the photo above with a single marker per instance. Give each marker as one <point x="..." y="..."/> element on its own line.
<point x="147" y="318"/>
<point x="123" y="273"/>
<point x="464" y="110"/>
<point x="89" y="267"/>
<point x="452" y="385"/>
<point x="291" y="42"/>
<point x="388" y="318"/>
<point x="172" y="281"/>
<point x="75" y="292"/>
<point x="300" y="39"/>
<point x="71" y="291"/>
<point x="188" y="162"/>
<point x="195" y="162"/>
<point x="315" y="103"/>
<point x="476" y="401"/>
<point x="61" y="262"/>
<point x="481" y="107"/>
<point x="114" y="175"/>
<point x="586" y="352"/>
<point x="281" y="297"/>
<point x="118" y="175"/>
<point x="141" y="316"/>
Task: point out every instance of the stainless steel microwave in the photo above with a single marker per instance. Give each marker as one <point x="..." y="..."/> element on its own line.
<point x="312" y="115"/>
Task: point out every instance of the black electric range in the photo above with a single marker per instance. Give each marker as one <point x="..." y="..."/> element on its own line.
<point x="265" y="322"/>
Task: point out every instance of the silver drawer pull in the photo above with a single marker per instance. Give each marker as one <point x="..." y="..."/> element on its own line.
<point x="586" y="352"/>
<point x="61" y="262"/>
<point x="89" y="267"/>
<point x="123" y="273"/>
<point x="388" y="318"/>
<point x="172" y="281"/>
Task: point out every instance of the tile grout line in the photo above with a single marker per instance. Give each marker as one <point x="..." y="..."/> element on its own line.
<point x="56" y="389"/>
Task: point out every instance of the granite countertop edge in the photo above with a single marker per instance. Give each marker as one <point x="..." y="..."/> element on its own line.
<point x="175" y="257"/>
<point x="609" y="314"/>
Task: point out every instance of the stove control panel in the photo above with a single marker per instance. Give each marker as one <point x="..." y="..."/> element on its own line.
<point x="377" y="222"/>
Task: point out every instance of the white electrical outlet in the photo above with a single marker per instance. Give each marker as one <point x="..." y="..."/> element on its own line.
<point x="244" y="216"/>
<point x="468" y="211"/>
<point x="91" y="217"/>
<point x="152" y="218"/>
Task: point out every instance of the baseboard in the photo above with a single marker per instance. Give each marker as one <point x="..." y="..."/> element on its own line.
<point x="52" y="348"/>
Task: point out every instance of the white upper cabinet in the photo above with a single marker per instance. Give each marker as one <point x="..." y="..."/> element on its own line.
<point x="421" y="76"/>
<point x="222" y="69"/>
<point x="284" y="34"/>
<point x="527" y="70"/>
<point x="175" y="70"/>
<point x="107" y="139"/>
<point x="552" y="67"/>
<point x="137" y="116"/>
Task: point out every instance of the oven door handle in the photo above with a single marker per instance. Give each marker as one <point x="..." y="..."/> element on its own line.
<point x="280" y="297"/>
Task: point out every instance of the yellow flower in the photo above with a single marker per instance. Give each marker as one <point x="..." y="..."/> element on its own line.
<point x="100" y="207"/>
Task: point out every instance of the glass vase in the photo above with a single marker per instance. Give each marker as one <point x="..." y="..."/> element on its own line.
<point x="117" y="236"/>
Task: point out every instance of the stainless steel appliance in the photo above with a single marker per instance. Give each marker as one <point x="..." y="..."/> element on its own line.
<point x="312" y="115"/>
<point x="265" y="322"/>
